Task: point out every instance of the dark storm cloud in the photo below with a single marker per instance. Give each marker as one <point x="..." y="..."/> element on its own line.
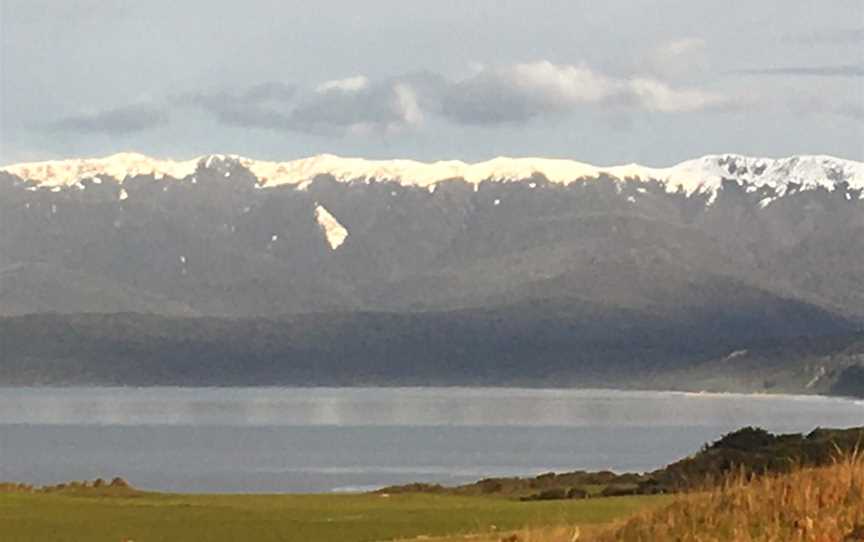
<point x="117" y="121"/>
<point x="846" y="70"/>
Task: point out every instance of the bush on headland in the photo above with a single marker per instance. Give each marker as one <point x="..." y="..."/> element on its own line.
<point x="116" y="486"/>
<point x="747" y="452"/>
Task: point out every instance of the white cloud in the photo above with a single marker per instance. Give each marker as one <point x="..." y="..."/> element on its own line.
<point x="406" y="99"/>
<point x="557" y="84"/>
<point x="520" y="92"/>
<point x="681" y="47"/>
<point x="349" y="84"/>
<point x="655" y="95"/>
<point x="679" y="58"/>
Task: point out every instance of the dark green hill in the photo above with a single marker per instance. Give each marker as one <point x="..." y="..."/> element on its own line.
<point x="565" y="342"/>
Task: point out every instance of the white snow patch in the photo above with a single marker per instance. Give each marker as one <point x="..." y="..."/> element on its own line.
<point x="123" y="194"/>
<point x="333" y="230"/>
<point x="735" y="354"/>
<point x="765" y="202"/>
<point x="61" y="173"/>
<point x="820" y="372"/>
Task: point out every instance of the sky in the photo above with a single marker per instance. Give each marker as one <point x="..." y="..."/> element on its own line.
<point x="620" y="81"/>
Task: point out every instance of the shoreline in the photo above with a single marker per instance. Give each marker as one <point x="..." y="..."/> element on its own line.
<point x="455" y="387"/>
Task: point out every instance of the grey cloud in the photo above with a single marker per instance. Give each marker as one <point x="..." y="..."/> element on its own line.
<point x="801" y="104"/>
<point x="492" y="97"/>
<point x="846" y="70"/>
<point x="855" y="111"/>
<point x="851" y="110"/>
<point x="117" y="121"/>
<point x="352" y="104"/>
<point x="830" y="36"/>
<point x="385" y="106"/>
<point x="51" y="12"/>
<point x="259" y="106"/>
<point x="513" y="93"/>
<point x="356" y="105"/>
<point x="270" y="91"/>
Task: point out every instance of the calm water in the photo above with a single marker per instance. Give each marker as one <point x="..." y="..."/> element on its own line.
<point x="327" y="439"/>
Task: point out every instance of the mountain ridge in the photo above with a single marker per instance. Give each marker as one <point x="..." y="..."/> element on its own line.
<point x="700" y="175"/>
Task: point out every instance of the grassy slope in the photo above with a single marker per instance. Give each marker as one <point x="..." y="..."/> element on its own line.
<point x="812" y="504"/>
<point x="824" y="504"/>
<point x="148" y="517"/>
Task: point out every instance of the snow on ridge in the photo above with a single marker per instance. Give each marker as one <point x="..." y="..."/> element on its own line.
<point x="333" y="230"/>
<point x="700" y="175"/>
<point x="53" y="173"/>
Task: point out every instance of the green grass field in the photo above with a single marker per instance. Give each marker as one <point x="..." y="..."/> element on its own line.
<point x="153" y="517"/>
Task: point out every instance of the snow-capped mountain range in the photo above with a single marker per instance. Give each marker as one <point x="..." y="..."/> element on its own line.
<point x="422" y="272"/>
<point x="227" y="235"/>
<point x="703" y="175"/>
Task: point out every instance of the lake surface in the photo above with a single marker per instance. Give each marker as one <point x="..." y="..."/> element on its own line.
<point x="349" y="439"/>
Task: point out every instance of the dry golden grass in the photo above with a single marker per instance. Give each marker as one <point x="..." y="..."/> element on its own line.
<point x="824" y="504"/>
<point x="821" y="504"/>
<point x="548" y="534"/>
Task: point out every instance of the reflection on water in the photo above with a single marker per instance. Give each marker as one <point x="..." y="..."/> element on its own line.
<point x="321" y="439"/>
